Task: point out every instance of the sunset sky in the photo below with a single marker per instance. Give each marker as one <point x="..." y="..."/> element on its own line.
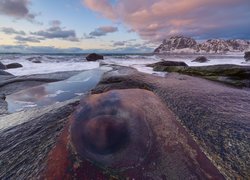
<point x="116" y="25"/>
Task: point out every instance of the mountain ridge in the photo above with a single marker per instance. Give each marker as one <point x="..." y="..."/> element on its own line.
<point x="182" y="44"/>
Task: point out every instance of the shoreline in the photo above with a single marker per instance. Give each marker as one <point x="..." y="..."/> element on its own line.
<point x="207" y="110"/>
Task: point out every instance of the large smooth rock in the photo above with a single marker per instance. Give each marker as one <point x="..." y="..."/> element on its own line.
<point x="2" y="66"/>
<point x="247" y="56"/>
<point x="229" y="74"/>
<point x="126" y="133"/>
<point x="201" y="59"/>
<point x="94" y="57"/>
<point x="217" y="115"/>
<point x="13" y="66"/>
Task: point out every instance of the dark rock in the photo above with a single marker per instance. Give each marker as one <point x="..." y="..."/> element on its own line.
<point x="4" y="73"/>
<point x="2" y="66"/>
<point x="13" y="66"/>
<point x="94" y="57"/>
<point x="36" y="61"/>
<point x="2" y="96"/>
<point x="160" y="66"/>
<point x="247" y="56"/>
<point x="201" y="59"/>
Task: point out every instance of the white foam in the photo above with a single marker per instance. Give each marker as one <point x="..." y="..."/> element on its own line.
<point x="77" y="63"/>
<point x="50" y="67"/>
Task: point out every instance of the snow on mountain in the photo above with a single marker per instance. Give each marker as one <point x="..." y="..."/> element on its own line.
<point x="181" y="44"/>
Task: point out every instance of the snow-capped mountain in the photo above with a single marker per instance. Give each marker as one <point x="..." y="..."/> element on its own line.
<point x="181" y="44"/>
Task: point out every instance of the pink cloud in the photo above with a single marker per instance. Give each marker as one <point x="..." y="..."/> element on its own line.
<point x="156" y="19"/>
<point x="102" y="6"/>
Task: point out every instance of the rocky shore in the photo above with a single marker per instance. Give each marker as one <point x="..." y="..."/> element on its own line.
<point x="149" y="127"/>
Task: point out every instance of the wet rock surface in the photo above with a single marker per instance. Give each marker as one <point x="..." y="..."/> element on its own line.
<point x="195" y="129"/>
<point x="10" y="84"/>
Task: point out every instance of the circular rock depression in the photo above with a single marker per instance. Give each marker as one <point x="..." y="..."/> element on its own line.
<point x="109" y="134"/>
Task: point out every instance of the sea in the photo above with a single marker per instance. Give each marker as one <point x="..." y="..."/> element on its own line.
<point x="75" y="62"/>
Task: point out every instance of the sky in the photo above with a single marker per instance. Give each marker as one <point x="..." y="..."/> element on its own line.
<point x="118" y="26"/>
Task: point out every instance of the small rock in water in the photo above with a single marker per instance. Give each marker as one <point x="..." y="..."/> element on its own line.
<point x="36" y="61"/>
<point x="94" y="57"/>
<point x="2" y="96"/>
<point x="13" y="65"/>
<point x="2" y="66"/>
<point x="201" y="59"/>
<point x="247" y="56"/>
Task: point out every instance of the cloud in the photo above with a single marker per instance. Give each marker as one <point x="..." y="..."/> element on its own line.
<point x="51" y="49"/>
<point x="103" y="31"/>
<point x="156" y="19"/>
<point x="57" y="32"/>
<point x="8" y="30"/>
<point x="22" y="39"/>
<point x="55" y="23"/>
<point x="37" y="49"/>
<point x="119" y="43"/>
<point x="17" y="9"/>
<point x="102" y="6"/>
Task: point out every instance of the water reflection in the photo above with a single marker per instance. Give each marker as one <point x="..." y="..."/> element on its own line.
<point x="51" y="93"/>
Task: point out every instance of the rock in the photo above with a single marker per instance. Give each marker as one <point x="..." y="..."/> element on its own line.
<point x="2" y="96"/>
<point x="4" y="73"/>
<point x="2" y="66"/>
<point x="94" y="57"/>
<point x="201" y="59"/>
<point x="247" y="56"/>
<point x="28" y="138"/>
<point x="106" y="130"/>
<point x="229" y="74"/>
<point x="36" y="61"/>
<point x="160" y="66"/>
<point x="217" y="115"/>
<point x="13" y="66"/>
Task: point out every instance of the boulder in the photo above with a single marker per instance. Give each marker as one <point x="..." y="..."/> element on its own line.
<point x="2" y="66"/>
<point x="35" y="59"/>
<point x="94" y="57"/>
<point x="247" y="56"/>
<point x="201" y="59"/>
<point x="13" y="66"/>
<point x="161" y="66"/>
